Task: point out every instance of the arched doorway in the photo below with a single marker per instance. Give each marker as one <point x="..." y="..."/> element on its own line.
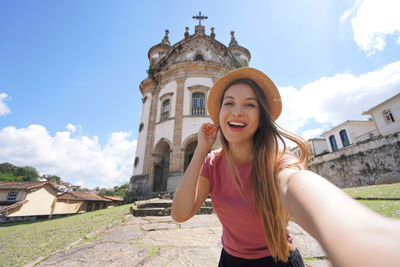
<point x="189" y="150"/>
<point x="161" y="157"/>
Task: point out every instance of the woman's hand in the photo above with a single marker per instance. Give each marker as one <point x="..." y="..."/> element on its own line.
<point x="207" y="136"/>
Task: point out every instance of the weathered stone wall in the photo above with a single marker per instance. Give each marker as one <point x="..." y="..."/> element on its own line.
<point x="371" y="162"/>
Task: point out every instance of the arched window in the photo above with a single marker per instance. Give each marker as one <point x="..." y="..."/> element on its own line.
<point x="136" y="162"/>
<point x="198" y="57"/>
<point x="332" y="140"/>
<point x="388" y="116"/>
<point x="198" y="107"/>
<point x="165" y="109"/>
<point x="344" y="138"/>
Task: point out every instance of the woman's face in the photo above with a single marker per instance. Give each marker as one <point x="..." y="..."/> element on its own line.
<point x="239" y="114"/>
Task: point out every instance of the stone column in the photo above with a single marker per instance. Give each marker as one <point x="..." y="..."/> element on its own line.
<point x="148" y="162"/>
<point x="177" y="156"/>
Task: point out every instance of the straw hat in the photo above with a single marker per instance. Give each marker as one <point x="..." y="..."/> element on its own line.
<point x="260" y="78"/>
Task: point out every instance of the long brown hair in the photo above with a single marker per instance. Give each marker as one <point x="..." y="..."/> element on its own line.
<point x="267" y="155"/>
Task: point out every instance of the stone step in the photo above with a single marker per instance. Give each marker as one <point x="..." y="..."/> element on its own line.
<point x="165" y="212"/>
<point x="154" y="205"/>
<point x="162" y="207"/>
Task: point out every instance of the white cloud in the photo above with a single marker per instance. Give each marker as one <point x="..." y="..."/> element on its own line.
<point x="347" y="13"/>
<point x="70" y="127"/>
<point x="3" y="107"/>
<point x="311" y="133"/>
<point x="330" y="101"/>
<point x="372" y="21"/>
<point x="79" y="160"/>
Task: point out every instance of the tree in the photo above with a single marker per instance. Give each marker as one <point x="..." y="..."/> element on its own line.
<point x="53" y="178"/>
<point x="26" y="173"/>
<point x="118" y="191"/>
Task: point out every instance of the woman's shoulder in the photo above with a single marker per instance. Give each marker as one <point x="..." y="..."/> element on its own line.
<point x="288" y="160"/>
<point x="214" y="157"/>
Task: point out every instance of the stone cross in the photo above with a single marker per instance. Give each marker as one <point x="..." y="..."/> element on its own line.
<point x="199" y="17"/>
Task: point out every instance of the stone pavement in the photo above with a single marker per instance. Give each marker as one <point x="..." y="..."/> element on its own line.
<point x="159" y="241"/>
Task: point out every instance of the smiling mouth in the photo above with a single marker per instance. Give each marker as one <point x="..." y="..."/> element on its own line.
<point x="236" y="124"/>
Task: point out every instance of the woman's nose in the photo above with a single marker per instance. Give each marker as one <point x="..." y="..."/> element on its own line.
<point x="237" y="110"/>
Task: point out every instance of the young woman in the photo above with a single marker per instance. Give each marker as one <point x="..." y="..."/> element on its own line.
<point x="255" y="185"/>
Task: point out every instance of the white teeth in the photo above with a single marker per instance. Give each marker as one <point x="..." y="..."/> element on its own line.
<point x="234" y="123"/>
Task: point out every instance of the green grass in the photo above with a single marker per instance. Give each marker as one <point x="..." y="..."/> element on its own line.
<point x="388" y="208"/>
<point x="379" y="191"/>
<point x="22" y="242"/>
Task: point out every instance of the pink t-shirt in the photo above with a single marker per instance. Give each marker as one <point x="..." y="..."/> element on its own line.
<point x="242" y="232"/>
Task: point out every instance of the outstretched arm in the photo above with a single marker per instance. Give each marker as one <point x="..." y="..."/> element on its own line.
<point x="351" y="234"/>
<point x="194" y="189"/>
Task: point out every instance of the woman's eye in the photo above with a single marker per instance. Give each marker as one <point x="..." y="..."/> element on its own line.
<point x="251" y="105"/>
<point x="228" y="103"/>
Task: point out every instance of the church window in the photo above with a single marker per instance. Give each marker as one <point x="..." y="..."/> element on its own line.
<point x="332" y="141"/>
<point x="198" y="107"/>
<point x="388" y="116"/>
<point x="12" y="196"/>
<point x="136" y="161"/>
<point x="165" y="109"/>
<point x="199" y="58"/>
<point x="141" y="127"/>
<point x="344" y="138"/>
<point x="97" y="206"/>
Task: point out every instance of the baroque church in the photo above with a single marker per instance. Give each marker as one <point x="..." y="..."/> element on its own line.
<point x="174" y="105"/>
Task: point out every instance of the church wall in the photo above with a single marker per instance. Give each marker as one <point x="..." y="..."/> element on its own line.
<point x="191" y="82"/>
<point x="164" y="130"/>
<point x="191" y="125"/>
<point x="141" y="144"/>
<point x="167" y="89"/>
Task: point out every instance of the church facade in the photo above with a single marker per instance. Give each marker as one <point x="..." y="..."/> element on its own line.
<point x="174" y="105"/>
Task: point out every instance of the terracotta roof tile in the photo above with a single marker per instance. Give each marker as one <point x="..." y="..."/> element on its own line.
<point x="81" y="196"/>
<point x="12" y="206"/>
<point x="114" y="198"/>
<point x="22" y="185"/>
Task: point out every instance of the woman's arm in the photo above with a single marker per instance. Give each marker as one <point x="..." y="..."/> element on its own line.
<point x="350" y="233"/>
<point x="193" y="189"/>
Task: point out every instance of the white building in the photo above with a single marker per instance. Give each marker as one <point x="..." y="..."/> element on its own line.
<point x="349" y="133"/>
<point x="386" y="115"/>
<point x="317" y="147"/>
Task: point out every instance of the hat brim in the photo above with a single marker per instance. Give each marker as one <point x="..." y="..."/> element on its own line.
<point x="261" y="79"/>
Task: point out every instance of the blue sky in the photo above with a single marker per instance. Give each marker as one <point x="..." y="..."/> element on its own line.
<point x="70" y="71"/>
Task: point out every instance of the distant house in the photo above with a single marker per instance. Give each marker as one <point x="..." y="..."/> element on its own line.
<point x="386" y="116"/>
<point x="77" y="202"/>
<point x="62" y="186"/>
<point x="317" y="147"/>
<point x="115" y="200"/>
<point x="349" y="133"/>
<point x="26" y="200"/>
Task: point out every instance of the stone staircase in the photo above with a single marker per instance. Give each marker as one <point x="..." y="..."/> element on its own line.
<point x="162" y="207"/>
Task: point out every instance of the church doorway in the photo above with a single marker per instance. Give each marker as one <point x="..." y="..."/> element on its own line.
<point x="161" y="157"/>
<point x="189" y="150"/>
